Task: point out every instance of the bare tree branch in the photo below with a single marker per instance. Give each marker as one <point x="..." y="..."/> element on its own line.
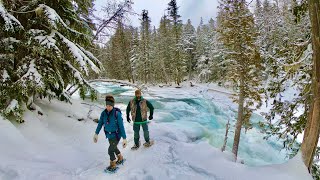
<point x="113" y="12"/>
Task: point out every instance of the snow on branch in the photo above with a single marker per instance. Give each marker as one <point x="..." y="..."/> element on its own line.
<point x="77" y="75"/>
<point x="54" y="18"/>
<point x="10" y="22"/>
<point x="92" y="57"/>
<point x="79" y="55"/>
<point x="14" y="104"/>
<point x="48" y="40"/>
<point x="5" y="76"/>
<point x="33" y="74"/>
<point x="10" y="39"/>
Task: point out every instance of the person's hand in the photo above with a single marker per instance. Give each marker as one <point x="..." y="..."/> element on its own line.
<point x="128" y="119"/>
<point x="124" y="143"/>
<point x="95" y="138"/>
<point x="150" y="117"/>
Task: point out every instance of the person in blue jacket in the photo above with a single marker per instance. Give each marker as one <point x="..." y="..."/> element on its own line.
<point x="114" y="130"/>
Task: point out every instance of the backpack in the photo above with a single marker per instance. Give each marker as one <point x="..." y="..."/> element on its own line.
<point x="116" y="119"/>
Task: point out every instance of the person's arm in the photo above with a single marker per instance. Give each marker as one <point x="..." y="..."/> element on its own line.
<point x="151" y="108"/>
<point x="100" y="123"/>
<point x="128" y="112"/>
<point x="121" y="126"/>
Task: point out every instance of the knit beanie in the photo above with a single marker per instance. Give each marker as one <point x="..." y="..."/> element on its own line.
<point x="109" y="100"/>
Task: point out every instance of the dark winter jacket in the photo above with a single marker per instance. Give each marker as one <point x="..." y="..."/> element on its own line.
<point x="110" y="126"/>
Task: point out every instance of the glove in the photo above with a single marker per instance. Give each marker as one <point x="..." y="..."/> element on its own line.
<point x="124" y="143"/>
<point x="95" y="138"/>
<point x="150" y="117"/>
<point x="128" y="119"/>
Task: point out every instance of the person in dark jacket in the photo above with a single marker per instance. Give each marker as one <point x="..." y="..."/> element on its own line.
<point x="114" y="130"/>
<point x="139" y="108"/>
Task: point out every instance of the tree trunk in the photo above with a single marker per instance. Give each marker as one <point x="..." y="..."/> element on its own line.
<point x="237" y="133"/>
<point x="190" y="63"/>
<point x="226" y="137"/>
<point x="132" y="76"/>
<point x="311" y="135"/>
<point x="145" y="69"/>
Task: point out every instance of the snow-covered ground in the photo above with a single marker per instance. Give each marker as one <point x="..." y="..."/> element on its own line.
<point x="188" y="129"/>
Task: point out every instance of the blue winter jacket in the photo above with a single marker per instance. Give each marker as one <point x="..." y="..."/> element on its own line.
<point x="111" y="127"/>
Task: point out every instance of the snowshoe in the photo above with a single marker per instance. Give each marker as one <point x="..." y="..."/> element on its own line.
<point x="148" y="144"/>
<point x="111" y="170"/>
<point x="121" y="162"/>
<point x="135" y="147"/>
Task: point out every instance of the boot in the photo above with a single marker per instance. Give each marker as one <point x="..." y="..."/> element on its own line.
<point x="135" y="147"/>
<point x="113" y="165"/>
<point x="120" y="159"/>
<point x="147" y="144"/>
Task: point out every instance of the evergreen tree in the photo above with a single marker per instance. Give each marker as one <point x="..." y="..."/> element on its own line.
<point x="120" y="64"/>
<point x="203" y="44"/>
<point x="153" y="56"/>
<point x="44" y="51"/>
<point x="216" y="64"/>
<point x="286" y="53"/>
<point x="312" y="131"/>
<point x="134" y="54"/>
<point x="165" y="49"/>
<point x="189" y="44"/>
<point x="145" y="47"/>
<point x="174" y="17"/>
<point x="237" y="32"/>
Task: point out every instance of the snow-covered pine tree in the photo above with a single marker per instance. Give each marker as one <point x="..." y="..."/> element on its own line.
<point x="312" y="131"/>
<point x="120" y="44"/>
<point x="258" y="18"/>
<point x="127" y="45"/>
<point x="145" y="33"/>
<point x="176" y="30"/>
<point x="203" y="45"/>
<point x="189" y="45"/>
<point x="43" y="51"/>
<point x="286" y="52"/>
<point x="153" y="54"/>
<point x="104" y="55"/>
<point x="215" y="68"/>
<point x="200" y="43"/>
<point x="134" y="54"/>
<point x="238" y="34"/>
<point x="165" y="49"/>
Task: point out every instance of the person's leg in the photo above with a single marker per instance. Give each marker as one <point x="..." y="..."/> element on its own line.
<point x="116" y="150"/>
<point x="145" y="132"/>
<point x="111" y="151"/>
<point x="136" y="129"/>
<point x="118" y="154"/>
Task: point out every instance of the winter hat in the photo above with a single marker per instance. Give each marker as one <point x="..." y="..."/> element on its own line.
<point x="109" y="100"/>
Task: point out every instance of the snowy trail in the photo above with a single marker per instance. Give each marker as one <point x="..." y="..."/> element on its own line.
<point x="58" y="146"/>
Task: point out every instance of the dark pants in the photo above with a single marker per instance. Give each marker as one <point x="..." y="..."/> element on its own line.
<point x="136" y="129"/>
<point x="113" y="149"/>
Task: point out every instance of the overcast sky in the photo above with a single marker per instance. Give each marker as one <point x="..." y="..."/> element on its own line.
<point x="188" y="9"/>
